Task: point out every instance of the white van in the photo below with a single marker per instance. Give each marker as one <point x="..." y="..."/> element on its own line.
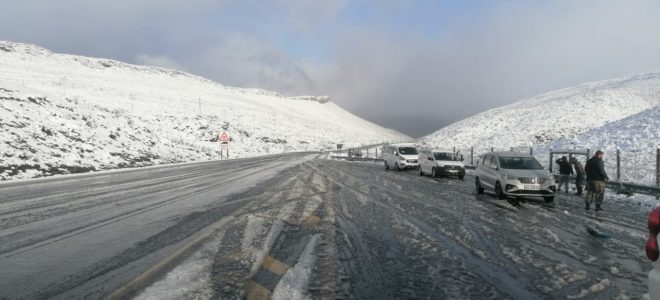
<point x="441" y="163"/>
<point x="400" y="156"/>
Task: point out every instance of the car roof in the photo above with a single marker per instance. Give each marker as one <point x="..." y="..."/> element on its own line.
<point x="442" y="150"/>
<point x="509" y="154"/>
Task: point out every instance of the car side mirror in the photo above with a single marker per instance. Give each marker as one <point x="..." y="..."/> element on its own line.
<point x="429" y="158"/>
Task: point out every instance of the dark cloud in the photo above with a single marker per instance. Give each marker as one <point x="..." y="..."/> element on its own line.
<point x="415" y="78"/>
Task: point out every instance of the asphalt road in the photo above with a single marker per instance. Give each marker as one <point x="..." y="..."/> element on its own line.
<point x="296" y="225"/>
<point x="72" y="237"/>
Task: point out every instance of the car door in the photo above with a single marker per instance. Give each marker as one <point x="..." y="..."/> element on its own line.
<point x="486" y="172"/>
<point x="428" y="161"/>
<point x="493" y="172"/>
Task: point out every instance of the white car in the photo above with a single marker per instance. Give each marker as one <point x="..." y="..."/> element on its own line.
<point x="653" y="253"/>
<point x="510" y="174"/>
<point x="440" y="163"/>
<point x="400" y="156"/>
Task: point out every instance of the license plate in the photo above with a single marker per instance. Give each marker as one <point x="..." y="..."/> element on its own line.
<point x="533" y="187"/>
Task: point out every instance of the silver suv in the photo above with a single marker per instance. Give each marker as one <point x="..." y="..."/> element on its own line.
<point x="510" y="174"/>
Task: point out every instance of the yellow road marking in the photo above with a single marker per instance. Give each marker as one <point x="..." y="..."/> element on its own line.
<point x="274" y="265"/>
<point x="256" y="291"/>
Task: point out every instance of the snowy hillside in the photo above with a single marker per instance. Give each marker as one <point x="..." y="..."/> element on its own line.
<point x="599" y="115"/>
<point x="64" y="113"/>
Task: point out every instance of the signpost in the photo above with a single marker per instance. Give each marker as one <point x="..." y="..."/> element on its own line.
<point x="224" y="144"/>
<point x="339" y="146"/>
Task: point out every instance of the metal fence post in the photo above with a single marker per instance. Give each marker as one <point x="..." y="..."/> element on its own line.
<point x="492" y="149"/>
<point x="511" y="149"/>
<point x="472" y="155"/>
<point x="618" y="165"/>
<point x="550" y="163"/>
<point x="531" y="151"/>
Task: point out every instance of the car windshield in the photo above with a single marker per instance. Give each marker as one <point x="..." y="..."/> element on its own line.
<point x="444" y="156"/>
<point x="520" y="163"/>
<point x="407" y="151"/>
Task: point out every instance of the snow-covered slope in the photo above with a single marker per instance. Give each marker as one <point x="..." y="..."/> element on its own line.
<point x="551" y="116"/>
<point x="620" y="113"/>
<point x="64" y="113"/>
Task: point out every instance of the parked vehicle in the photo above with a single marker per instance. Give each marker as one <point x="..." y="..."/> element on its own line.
<point x="653" y="254"/>
<point x="510" y="174"/>
<point x="400" y="156"/>
<point x="440" y="163"/>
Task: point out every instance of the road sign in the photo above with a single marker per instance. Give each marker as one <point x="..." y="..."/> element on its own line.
<point x="224" y="137"/>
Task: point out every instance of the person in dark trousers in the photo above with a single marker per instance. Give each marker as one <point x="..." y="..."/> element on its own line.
<point x="565" y="172"/>
<point x="579" y="175"/>
<point x="596" y="177"/>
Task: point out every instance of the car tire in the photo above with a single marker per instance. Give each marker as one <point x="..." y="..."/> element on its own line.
<point x="396" y="167"/>
<point x="477" y="183"/>
<point x="499" y="194"/>
<point x="434" y="173"/>
<point x="461" y="177"/>
<point x="387" y="167"/>
<point x="549" y="199"/>
<point x="421" y="172"/>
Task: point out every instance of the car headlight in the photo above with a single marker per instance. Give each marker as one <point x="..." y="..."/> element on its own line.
<point x="441" y="165"/>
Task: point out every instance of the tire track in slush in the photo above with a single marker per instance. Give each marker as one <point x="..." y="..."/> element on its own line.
<point x="515" y="287"/>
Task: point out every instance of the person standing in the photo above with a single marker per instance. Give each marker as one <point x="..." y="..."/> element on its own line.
<point x="596" y="177"/>
<point x="579" y="175"/>
<point x="565" y="172"/>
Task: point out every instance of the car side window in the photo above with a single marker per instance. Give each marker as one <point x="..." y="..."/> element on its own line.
<point x="485" y="159"/>
<point x="493" y="162"/>
<point x="430" y="155"/>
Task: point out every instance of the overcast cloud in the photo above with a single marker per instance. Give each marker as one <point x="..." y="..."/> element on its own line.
<point x="410" y="65"/>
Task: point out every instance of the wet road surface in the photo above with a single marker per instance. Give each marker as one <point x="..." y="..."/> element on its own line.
<point x="313" y="228"/>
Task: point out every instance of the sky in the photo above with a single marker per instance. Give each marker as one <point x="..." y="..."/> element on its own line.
<point x="414" y="66"/>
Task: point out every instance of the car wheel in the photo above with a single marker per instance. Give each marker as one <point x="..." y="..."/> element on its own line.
<point x="549" y="199"/>
<point x="421" y="172"/>
<point x="477" y="183"/>
<point x="387" y="167"/>
<point x="498" y="191"/>
<point x="461" y="177"/>
<point x="396" y="167"/>
<point x="434" y="173"/>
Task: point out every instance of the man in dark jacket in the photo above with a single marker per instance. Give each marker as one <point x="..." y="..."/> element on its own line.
<point x="596" y="177"/>
<point x="579" y="175"/>
<point x="565" y="172"/>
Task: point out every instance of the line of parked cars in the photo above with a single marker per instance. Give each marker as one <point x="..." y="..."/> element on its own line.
<point x="506" y="174"/>
<point x="434" y="162"/>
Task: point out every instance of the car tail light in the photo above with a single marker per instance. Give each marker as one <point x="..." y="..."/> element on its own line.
<point x="652" y="251"/>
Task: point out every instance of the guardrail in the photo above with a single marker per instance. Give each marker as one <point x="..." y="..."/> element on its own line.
<point x="625" y="187"/>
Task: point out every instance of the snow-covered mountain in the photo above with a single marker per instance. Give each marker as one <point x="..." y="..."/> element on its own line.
<point x="620" y="113"/>
<point x="64" y="113"/>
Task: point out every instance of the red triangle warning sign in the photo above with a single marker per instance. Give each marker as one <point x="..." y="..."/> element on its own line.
<point x="224" y="137"/>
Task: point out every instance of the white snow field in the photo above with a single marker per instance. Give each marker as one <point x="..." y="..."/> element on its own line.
<point x="620" y="113"/>
<point x="64" y="114"/>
